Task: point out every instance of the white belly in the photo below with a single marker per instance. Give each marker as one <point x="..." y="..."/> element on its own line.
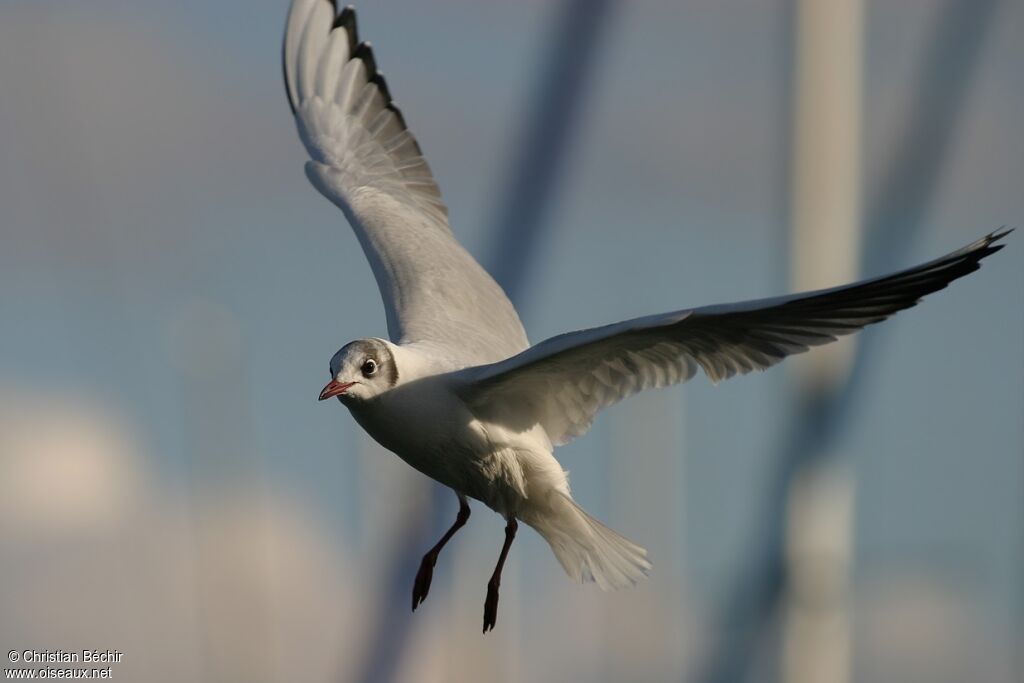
<point x="429" y="427"/>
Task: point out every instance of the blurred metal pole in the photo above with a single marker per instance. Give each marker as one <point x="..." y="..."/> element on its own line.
<point x="545" y="139"/>
<point x="825" y="244"/>
<point x="895" y="209"/>
<point x="544" y="142"/>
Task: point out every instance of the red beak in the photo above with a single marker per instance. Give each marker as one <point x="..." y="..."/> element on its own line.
<point x="334" y="388"/>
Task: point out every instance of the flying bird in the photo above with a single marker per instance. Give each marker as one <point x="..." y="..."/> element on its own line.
<point x="458" y="392"/>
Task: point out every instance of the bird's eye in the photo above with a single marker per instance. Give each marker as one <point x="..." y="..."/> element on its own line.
<point x="369" y="367"/>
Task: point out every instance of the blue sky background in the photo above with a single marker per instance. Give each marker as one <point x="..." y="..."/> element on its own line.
<point x="171" y="290"/>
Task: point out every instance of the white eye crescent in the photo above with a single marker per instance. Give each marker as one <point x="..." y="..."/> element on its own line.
<point x="369" y="367"/>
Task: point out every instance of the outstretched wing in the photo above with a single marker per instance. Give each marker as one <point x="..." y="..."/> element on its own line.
<point x="563" y="382"/>
<point x="366" y="161"/>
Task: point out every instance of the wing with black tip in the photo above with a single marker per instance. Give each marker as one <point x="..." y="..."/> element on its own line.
<point x="562" y="383"/>
<point x="365" y="160"/>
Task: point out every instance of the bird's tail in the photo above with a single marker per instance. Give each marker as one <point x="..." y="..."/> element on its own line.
<point x="587" y="549"/>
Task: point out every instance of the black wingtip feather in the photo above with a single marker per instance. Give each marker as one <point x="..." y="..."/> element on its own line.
<point x="1002" y="232"/>
<point x="389" y="103"/>
<point x="382" y="85"/>
<point x="887" y="295"/>
<point x="400" y="116"/>
<point x="364" y="52"/>
<point x="347" y="21"/>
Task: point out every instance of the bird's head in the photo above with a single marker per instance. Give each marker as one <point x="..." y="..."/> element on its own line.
<point x="361" y="370"/>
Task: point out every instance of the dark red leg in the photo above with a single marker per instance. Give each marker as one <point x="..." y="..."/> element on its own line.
<point x="491" y="603"/>
<point x="421" y="586"/>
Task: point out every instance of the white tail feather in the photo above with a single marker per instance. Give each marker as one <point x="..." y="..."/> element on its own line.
<point x="587" y="549"/>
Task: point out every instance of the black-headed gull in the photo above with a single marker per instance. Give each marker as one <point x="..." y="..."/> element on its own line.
<point x="458" y="392"/>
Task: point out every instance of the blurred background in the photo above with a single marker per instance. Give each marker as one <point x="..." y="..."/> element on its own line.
<point x="172" y="288"/>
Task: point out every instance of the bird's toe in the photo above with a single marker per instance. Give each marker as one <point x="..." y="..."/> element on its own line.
<point x="421" y="586"/>
<point x="491" y="608"/>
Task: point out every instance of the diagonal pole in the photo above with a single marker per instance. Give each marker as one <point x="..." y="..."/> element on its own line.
<point x="546" y="139"/>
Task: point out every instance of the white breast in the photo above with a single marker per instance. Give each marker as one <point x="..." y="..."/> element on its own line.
<point x="427" y="425"/>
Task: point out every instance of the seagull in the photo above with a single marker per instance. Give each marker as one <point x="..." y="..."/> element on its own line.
<point x="457" y="391"/>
